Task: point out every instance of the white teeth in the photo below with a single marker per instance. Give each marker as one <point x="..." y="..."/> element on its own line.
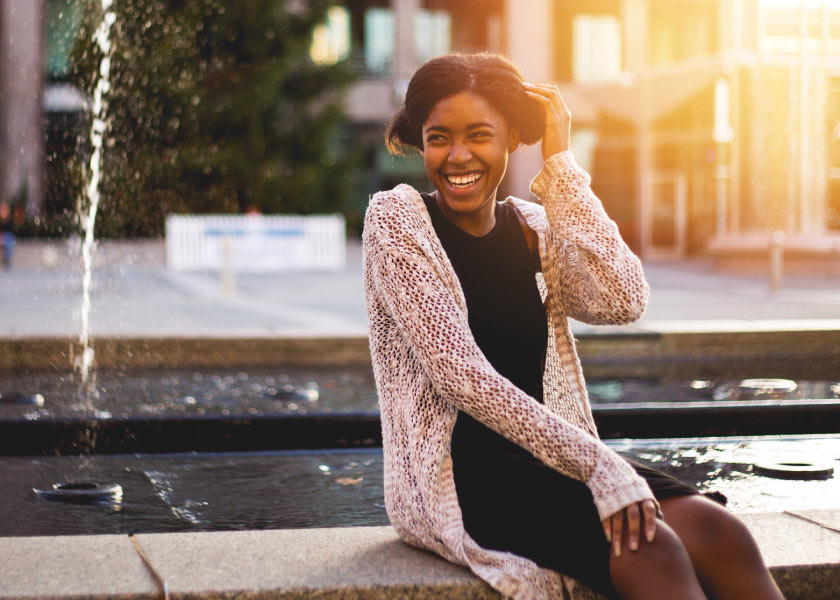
<point x="463" y="180"/>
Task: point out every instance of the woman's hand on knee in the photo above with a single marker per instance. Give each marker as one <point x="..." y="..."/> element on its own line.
<point x="635" y="517"/>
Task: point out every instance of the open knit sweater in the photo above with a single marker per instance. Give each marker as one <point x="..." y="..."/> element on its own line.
<point x="427" y="365"/>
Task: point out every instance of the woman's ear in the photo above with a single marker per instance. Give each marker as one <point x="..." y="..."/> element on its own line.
<point x="513" y="139"/>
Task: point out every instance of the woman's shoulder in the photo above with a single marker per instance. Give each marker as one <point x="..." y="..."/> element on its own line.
<point x="395" y="214"/>
<point x="534" y="214"/>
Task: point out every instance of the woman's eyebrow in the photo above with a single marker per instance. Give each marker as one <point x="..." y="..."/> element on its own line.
<point x="471" y="126"/>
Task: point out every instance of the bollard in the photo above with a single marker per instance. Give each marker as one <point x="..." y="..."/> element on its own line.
<point x="777" y="241"/>
<point x="226" y="274"/>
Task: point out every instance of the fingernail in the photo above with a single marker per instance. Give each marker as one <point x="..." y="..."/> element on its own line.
<point x="650" y="535"/>
<point x="634" y="545"/>
<point x="617" y="550"/>
<point x="609" y="536"/>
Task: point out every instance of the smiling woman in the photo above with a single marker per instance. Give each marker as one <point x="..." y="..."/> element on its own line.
<point x="491" y="454"/>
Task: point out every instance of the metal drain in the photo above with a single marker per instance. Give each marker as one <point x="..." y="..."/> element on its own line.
<point x="27" y="399"/>
<point x="794" y="470"/>
<point x="82" y="491"/>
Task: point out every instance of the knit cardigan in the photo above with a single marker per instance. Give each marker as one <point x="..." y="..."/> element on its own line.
<point x="427" y="366"/>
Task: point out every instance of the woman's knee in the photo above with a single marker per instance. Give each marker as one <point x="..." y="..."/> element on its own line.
<point x="664" y="558"/>
<point x="707" y="530"/>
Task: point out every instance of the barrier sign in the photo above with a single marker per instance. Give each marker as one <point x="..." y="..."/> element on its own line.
<point x="255" y="243"/>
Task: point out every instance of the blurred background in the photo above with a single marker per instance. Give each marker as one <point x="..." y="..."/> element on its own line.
<point x="707" y="125"/>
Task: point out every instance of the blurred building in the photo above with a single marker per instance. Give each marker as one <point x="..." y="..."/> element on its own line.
<point x="707" y="125"/>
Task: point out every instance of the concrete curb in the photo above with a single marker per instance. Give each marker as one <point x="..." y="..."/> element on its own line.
<point x="624" y="354"/>
<point x="801" y="549"/>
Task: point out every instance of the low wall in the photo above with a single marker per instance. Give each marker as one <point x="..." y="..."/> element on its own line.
<point x="363" y="563"/>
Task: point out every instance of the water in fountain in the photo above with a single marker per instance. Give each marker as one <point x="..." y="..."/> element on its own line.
<point x="98" y="128"/>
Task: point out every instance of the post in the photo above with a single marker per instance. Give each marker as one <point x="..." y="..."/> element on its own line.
<point x="777" y="242"/>
<point x="226" y="274"/>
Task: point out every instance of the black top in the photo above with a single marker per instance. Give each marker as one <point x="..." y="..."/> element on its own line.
<point x="506" y="314"/>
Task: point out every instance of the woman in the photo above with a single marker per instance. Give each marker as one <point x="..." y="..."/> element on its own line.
<point x="492" y="459"/>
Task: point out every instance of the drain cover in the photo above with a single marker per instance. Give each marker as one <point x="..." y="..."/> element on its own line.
<point x="795" y="470"/>
<point x="292" y="393"/>
<point x="81" y="491"/>
<point x="30" y="399"/>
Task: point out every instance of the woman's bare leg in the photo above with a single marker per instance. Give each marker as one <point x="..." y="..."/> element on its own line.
<point x="725" y="556"/>
<point x="660" y="569"/>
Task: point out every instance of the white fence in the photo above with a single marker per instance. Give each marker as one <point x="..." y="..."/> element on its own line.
<point x="255" y="243"/>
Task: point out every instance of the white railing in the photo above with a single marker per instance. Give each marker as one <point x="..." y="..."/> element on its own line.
<point x="255" y="243"/>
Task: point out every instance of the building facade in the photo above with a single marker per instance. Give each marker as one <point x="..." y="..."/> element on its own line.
<point x="708" y="125"/>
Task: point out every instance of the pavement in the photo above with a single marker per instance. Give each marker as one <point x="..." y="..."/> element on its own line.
<point x="135" y="295"/>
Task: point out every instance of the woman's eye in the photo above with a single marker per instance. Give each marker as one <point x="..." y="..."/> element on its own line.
<point x="480" y="134"/>
<point x="435" y="137"/>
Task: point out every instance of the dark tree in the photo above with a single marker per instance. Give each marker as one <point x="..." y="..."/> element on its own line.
<point x="216" y="106"/>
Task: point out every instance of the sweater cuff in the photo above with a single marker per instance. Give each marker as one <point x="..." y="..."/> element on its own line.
<point x="613" y="490"/>
<point x="558" y="166"/>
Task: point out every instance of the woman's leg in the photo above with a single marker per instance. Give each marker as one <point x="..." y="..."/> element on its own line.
<point x="660" y="569"/>
<point x="725" y="556"/>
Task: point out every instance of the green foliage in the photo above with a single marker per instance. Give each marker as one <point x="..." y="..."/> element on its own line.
<point x="216" y="106"/>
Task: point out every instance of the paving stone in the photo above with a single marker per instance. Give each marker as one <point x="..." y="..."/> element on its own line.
<point x="345" y="562"/>
<point x="71" y="566"/>
<point x="828" y="518"/>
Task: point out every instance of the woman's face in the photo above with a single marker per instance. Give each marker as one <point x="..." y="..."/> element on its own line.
<point x="466" y="143"/>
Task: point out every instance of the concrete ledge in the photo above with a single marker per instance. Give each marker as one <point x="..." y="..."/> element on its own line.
<point x="617" y="354"/>
<point x="801" y="548"/>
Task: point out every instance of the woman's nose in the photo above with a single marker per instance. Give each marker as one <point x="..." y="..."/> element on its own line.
<point x="459" y="153"/>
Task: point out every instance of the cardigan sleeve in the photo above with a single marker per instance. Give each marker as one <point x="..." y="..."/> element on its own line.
<point x="598" y="277"/>
<point x="438" y="333"/>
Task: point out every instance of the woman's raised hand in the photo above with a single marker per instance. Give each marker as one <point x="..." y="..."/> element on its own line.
<point x="634" y="517"/>
<point x="558" y="119"/>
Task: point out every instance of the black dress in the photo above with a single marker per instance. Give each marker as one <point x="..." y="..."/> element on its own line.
<point x="509" y="499"/>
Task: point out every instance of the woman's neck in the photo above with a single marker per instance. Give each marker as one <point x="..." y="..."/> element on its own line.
<point x="477" y="224"/>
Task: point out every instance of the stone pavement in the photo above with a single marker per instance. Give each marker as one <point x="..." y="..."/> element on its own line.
<point x="135" y="295"/>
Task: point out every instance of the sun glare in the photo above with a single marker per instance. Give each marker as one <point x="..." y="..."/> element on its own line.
<point x="797" y="3"/>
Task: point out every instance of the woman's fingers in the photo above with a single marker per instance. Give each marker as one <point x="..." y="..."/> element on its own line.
<point x="557" y="117"/>
<point x="637" y="516"/>
<point x="607" y="524"/>
<point x="649" y="509"/>
<point x="633" y="528"/>
<point x="617" y="529"/>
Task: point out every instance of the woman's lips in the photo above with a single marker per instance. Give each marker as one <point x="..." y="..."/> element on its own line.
<point x="463" y="182"/>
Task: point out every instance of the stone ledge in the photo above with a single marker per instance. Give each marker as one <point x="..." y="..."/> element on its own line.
<point x="801" y="548"/>
<point x="625" y="352"/>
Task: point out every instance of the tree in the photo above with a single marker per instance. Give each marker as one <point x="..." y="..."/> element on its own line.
<point x="216" y="106"/>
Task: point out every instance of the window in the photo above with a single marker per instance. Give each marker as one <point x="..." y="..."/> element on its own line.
<point x="432" y="37"/>
<point x="431" y="34"/>
<point x="596" y="48"/>
<point x="61" y="23"/>
<point x="379" y="40"/>
<point x="331" y="40"/>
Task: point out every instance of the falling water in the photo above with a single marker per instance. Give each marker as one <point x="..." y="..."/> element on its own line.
<point x="97" y="131"/>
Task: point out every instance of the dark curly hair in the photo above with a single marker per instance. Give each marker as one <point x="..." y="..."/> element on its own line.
<point x="491" y="76"/>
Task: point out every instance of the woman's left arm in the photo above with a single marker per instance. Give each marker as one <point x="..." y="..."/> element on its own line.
<point x="598" y="277"/>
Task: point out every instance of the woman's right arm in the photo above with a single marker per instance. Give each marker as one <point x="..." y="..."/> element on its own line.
<point x="426" y="312"/>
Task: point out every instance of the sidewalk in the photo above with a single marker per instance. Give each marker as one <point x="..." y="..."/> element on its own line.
<point x="135" y="295"/>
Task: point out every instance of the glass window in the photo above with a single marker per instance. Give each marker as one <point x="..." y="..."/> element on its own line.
<point x="379" y="39"/>
<point x="596" y="48"/>
<point x="62" y="22"/>
<point x="432" y="34"/>
<point x="331" y="40"/>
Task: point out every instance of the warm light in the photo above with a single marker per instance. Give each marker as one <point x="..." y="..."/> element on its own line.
<point x="331" y="40"/>
<point x="797" y="3"/>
